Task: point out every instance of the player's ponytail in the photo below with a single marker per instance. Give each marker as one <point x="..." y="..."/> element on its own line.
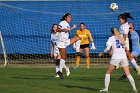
<point x="128" y="15"/>
<point x="116" y="33"/>
<point x="125" y="16"/>
<point x="112" y="30"/>
<point x="64" y="16"/>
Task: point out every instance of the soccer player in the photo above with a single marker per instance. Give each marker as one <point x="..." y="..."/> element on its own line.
<point x="64" y="41"/>
<point x="85" y="35"/>
<point x="118" y="57"/>
<point x="54" y="49"/>
<point x="135" y="47"/>
<point x="135" y="50"/>
<point x="124" y="29"/>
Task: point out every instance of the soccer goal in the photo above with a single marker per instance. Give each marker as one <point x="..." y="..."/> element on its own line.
<point x="26" y="28"/>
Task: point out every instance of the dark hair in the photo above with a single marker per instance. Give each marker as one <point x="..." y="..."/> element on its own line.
<point x="64" y="16"/>
<point x="82" y="24"/>
<point x="125" y="16"/>
<point x="112" y="30"/>
<point x="52" y="28"/>
<point x="132" y="23"/>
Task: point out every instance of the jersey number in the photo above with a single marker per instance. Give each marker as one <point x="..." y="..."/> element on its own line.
<point x="118" y="44"/>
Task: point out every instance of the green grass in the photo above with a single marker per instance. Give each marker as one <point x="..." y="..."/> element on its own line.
<point x="42" y="80"/>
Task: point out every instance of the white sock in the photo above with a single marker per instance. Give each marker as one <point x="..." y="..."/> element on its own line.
<point x="132" y="82"/>
<point x="78" y="45"/>
<point x="62" y="65"/>
<point x="133" y="61"/>
<point x="57" y="69"/>
<point x="66" y="68"/>
<point x="107" y="81"/>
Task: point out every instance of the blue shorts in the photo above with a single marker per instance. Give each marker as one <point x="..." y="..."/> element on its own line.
<point x="135" y="53"/>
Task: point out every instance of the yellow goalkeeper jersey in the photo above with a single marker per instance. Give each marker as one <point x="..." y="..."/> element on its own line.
<point x="84" y="35"/>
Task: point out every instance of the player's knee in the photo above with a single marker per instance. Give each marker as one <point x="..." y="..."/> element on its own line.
<point x="57" y="61"/>
<point x="127" y="73"/>
<point x="87" y="56"/>
<point x="63" y="57"/>
<point x="126" y="70"/>
<point x="108" y="72"/>
<point x="110" y="53"/>
<point x="129" y="57"/>
<point x="78" y="53"/>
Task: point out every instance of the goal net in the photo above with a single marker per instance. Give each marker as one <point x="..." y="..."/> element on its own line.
<point x="25" y="27"/>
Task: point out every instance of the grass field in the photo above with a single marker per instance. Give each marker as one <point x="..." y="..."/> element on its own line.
<point x="42" y="80"/>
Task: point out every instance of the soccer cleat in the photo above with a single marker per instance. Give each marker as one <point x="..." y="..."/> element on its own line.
<point x="68" y="72"/>
<point x="57" y="76"/>
<point x="138" y="71"/>
<point x="60" y="75"/>
<point x="135" y="91"/>
<point x="118" y="66"/>
<point x="87" y="67"/>
<point x="77" y="67"/>
<point x="103" y="90"/>
<point x="122" y="77"/>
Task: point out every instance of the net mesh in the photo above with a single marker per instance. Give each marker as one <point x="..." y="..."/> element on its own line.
<point x="25" y="27"/>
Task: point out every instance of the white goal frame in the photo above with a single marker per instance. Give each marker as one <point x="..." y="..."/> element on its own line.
<point x="3" y="49"/>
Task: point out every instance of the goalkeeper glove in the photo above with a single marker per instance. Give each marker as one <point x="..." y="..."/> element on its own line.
<point x="93" y="46"/>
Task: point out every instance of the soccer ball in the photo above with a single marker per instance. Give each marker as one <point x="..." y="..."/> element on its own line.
<point x="114" y="6"/>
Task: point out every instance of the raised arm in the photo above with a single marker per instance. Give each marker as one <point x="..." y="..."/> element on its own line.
<point x="106" y="49"/>
<point x="74" y="26"/>
<point x="63" y="30"/>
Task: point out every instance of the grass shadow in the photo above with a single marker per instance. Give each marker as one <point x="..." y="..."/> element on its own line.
<point x="81" y="87"/>
<point x="33" y="77"/>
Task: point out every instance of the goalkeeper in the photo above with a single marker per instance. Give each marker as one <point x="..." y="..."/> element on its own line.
<point x="85" y="36"/>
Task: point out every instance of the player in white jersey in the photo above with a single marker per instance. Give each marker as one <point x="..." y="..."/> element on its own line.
<point x="134" y="49"/>
<point x="118" y="57"/>
<point x="64" y="41"/>
<point x="124" y="28"/>
<point x="54" y="39"/>
<point x="54" y="49"/>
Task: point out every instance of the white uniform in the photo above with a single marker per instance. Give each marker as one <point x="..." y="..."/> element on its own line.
<point x="119" y="54"/>
<point x="54" y="39"/>
<point x="63" y="40"/>
<point x="124" y="29"/>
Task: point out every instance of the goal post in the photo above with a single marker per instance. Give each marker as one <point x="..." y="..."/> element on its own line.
<point x="3" y="50"/>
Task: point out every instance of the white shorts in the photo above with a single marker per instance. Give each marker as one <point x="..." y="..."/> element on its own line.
<point x="127" y="44"/>
<point x="56" y="51"/>
<point x="63" y="44"/>
<point x="122" y="62"/>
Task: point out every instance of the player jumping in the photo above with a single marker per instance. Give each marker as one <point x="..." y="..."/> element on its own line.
<point x="135" y="51"/>
<point x="64" y="41"/>
<point x="54" y="49"/>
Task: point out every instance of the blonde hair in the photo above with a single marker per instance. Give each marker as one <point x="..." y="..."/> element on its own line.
<point x="117" y="34"/>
